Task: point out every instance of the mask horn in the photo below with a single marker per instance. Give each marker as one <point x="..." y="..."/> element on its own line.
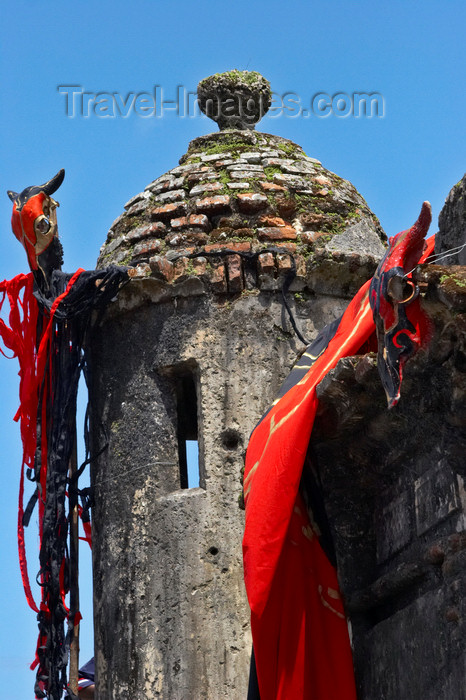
<point x="12" y="195"/>
<point x="52" y="185"/>
<point x="425" y="218"/>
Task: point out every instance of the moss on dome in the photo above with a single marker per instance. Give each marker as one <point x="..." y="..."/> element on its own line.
<point x="235" y="99"/>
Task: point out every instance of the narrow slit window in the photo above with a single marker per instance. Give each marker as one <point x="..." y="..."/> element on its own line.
<point x="188" y="446"/>
<point x="192" y="459"/>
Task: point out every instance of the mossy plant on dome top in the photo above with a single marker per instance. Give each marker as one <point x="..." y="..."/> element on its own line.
<point x="237" y="78"/>
<point x="235" y="99"/>
<point x="230" y="144"/>
<point x="223" y="176"/>
<point x="304" y="203"/>
<point x="134" y="222"/>
<point x="128" y="257"/>
<point x="250" y="77"/>
<point x="290" y="149"/>
<point x="271" y="170"/>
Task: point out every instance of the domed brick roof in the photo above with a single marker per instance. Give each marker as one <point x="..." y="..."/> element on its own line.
<point x="247" y="192"/>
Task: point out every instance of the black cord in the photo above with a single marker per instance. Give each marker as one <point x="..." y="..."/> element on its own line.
<point x="251" y="257"/>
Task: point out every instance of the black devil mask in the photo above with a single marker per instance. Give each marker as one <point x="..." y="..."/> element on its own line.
<point x="402" y="326"/>
<point x="34" y="220"/>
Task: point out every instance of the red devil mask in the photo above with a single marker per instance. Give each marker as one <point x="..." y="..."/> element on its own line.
<point x="34" y="220"/>
<point x="402" y="326"/>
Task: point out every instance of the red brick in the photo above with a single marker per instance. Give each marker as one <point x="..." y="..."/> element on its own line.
<point x="205" y="187"/>
<point x="234" y="245"/>
<point x="137" y="208"/>
<point x="196" y="237"/>
<point x="167" y="211"/>
<point x="175" y="239"/>
<point x="272" y="187"/>
<point x="310" y="236"/>
<point x="276" y="233"/>
<point x="199" y="220"/>
<point x="322" y="181"/>
<point x="199" y="265"/>
<point x="234" y="221"/>
<point x="215" y="156"/>
<point x="147" y="248"/>
<point x="290" y="247"/>
<point x="156" y="229"/>
<point x="250" y="202"/>
<point x="313" y="220"/>
<point x="238" y="185"/>
<point x="179" y="223"/>
<point x="276" y="162"/>
<point x="266" y="264"/>
<point x="284" y="262"/>
<point x="286" y="206"/>
<point x="193" y="178"/>
<point x="141" y="270"/>
<point x="222" y="233"/>
<point x="164" y="186"/>
<point x="180" y="267"/>
<point x="162" y="268"/>
<point x="240" y="247"/>
<point x="218" y="279"/>
<point x="235" y="274"/>
<point x="271" y="221"/>
<point x="215" y="204"/>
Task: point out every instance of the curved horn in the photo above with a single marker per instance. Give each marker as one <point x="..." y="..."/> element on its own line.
<point x="424" y="219"/>
<point x="52" y="185"/>
<point x="12" y="195"/>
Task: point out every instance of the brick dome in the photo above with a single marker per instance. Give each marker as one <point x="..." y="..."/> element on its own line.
<point x="246" y="192"/>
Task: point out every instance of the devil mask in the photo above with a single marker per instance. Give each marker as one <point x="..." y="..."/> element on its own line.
<point x="402" y="326"/>
<point x="34" y="219"/>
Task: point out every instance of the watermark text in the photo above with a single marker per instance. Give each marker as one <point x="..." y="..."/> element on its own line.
<point x="79" y="102"/>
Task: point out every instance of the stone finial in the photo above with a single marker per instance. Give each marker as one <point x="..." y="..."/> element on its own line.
<point x="236" y="99"/>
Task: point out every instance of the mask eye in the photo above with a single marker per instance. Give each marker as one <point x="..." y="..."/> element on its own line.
<point x="401" y="289"/>
<point x="42" y="225"/>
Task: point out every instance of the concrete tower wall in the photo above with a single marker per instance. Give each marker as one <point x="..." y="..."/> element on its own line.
<point x="171" y="616"/>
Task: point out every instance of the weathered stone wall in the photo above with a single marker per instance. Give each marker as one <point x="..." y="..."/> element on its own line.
<point x="171" y="616"/>
<point x="452" y="225"/>
<point x="397" y="504"/>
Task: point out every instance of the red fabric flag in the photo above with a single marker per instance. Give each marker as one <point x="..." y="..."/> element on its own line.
<point x="300" y="634"/>
<point x="299" y="630"/>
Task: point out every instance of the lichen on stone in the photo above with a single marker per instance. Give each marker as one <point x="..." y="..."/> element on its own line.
<point x="235" y="99"/>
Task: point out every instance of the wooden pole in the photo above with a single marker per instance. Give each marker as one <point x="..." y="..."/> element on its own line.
<point x="74" y="567"/>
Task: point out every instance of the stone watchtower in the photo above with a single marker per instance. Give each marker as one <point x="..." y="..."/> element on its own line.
<point x="195" y="348"/>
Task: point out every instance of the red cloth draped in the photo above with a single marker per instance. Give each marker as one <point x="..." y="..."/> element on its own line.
<point x="46" y="332"/>
<point x="33" y="356"/>
<point x="300" y="634"/>
<point x="34" y="359"/>
<point x="299" y="630"/>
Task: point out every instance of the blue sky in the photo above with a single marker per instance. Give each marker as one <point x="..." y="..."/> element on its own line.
<point x="412" y="53"/>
